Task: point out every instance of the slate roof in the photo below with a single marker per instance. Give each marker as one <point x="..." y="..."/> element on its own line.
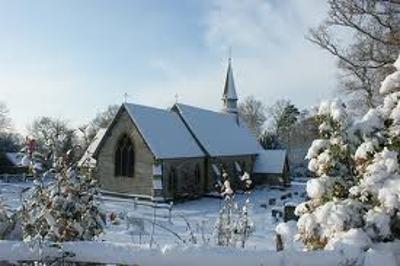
<point x="270" y="162"/>
<point x="14" y="157"/>
<point x="164" y="132"/>
<point x="219" y="134"/>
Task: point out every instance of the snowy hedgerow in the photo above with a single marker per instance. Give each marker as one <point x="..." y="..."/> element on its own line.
<point x="64" y="210"/>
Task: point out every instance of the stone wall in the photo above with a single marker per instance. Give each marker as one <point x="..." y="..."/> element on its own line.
<point x="187" y="184"/>
<point x="142" y="182"/>
<point x="228" y="164"/>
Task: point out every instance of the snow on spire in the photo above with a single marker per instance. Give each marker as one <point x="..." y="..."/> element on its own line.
<point x="229" y="96"/>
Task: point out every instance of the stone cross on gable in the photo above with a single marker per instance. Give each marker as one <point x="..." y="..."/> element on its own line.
<point x="126" y="97"/>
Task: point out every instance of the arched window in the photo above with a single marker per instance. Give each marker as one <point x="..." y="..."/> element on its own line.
<point x="124" y="157"/>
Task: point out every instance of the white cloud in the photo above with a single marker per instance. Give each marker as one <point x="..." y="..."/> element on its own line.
<point x="272" y="57"/>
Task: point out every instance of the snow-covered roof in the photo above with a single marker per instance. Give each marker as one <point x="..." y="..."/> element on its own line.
<point x="219" y="134"/>
<point x="270" y="161"/>
<point x="164" y="132"/>
<point x="14" y="157"/>
<point x="87" y="158"/>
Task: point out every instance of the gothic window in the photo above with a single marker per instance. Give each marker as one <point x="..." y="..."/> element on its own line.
<point x="124" y="157"/>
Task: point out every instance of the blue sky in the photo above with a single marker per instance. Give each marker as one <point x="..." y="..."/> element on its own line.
<point x="70" y="59"/>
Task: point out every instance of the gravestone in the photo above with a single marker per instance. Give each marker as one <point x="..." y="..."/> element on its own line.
<point x="288" y="213"/>
<point x="272" y="201"/>
<point x="276" y="213"/>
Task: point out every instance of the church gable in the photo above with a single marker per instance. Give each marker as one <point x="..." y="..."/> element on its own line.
<point x="164" y="132"/>
<point x="124" y="159"/>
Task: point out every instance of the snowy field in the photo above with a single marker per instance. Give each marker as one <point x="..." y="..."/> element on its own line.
<point x="199" y="215"/>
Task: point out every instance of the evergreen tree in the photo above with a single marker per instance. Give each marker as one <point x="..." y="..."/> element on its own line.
<point x="377" y="163"/>
<point x="355" y="199"/>
<point x="64" y="210"/>
<point x="329" y="211"/>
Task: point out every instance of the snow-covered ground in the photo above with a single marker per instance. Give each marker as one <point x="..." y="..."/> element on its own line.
<point x="200" y="215"/>
<point x="123" y="245"/>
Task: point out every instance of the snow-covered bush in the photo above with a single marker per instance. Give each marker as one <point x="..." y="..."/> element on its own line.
<point x="355" y="200"/>
<point x="328" y="212"/>
<point x="377" y="164"/>
<point x="287" y="232"/>
<point x="64" y="210"/>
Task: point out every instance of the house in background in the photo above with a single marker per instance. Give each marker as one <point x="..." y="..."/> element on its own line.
<point x="272" y="168"/>
<point x="176" y="153"/>
<point x="10" y="163"/>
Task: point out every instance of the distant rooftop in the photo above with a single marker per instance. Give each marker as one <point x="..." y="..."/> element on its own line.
<point x="270" y="162"/>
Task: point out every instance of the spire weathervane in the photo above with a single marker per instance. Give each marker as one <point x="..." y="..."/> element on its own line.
<point x="176" y="97"/>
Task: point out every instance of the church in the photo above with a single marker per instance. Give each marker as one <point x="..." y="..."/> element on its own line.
<point x="176" y="153"/>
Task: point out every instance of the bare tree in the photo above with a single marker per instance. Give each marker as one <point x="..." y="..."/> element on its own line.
<point x="54" y="137"/>
<point x="5" y="121"/>
<point x="374" y="27"/>
<point x="252" y="111"/>
<point x="104" y="118"/>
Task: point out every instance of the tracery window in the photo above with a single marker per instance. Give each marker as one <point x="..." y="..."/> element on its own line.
<point x="124" y="157"/>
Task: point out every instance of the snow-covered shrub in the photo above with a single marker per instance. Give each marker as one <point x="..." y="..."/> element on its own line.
<point x="329" y="155"/>
<point x="287" y="232"/>
<point x="355" y="200"/>
<point x="234" y="223"/>
<point x="330" y="159"/>
<point x="64" y="210"/>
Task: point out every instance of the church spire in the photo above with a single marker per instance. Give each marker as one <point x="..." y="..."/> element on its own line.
<point x="229" y="97"/>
